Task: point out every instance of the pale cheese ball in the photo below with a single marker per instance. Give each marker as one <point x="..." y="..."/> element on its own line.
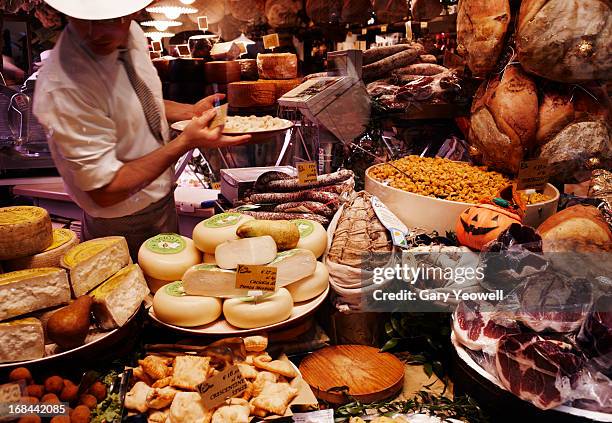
<point x="171" y="305"/>
<point x="311" y="286"/>
<point x="267" y="311"/>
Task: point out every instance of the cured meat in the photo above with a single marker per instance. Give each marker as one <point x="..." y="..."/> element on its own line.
<point x="283" y="197"/>
<point x="305" y="207"/>
<point x="286" y="216"/>
<point x="383" y="67"/>
<point x="595" y="336"/>
<point x="427" y="69"/>
<point x="292" y="184"/>
<point x="534" y="368"/>
<point x="378" y="53"/>
<point x="477" y="327"/>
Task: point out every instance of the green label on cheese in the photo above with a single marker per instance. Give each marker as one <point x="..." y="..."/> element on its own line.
<point x="222" y="220"/>
<point x="166" y="244"/>
<point x="304" y="226"/>
<point x="175" y="289"/>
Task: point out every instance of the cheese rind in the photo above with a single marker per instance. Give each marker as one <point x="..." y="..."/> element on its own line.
<point x="313" y="236"/>
<point x="293" y="265"/>
<point x="167" y="256"/>
<point x="63" y="240"/>
<point x="25" y="291"/>
<point x="250" y="251"/>
<point x="24" y="231"/>
<point x="246" y="94"/>
<point x="173" y="306"/>
<point x="222" y="72"/>
<point x="248" y="70"/>
<point x="21" y="340"/>
<point x="209" y="280"/>
<point x="247" y="314"/>
<point x="92" y="262"/>
<point x="225" y="51"/>
<point x="117" y="299"/>
<point x="311" y="286"/>
<point x="283" y="86"/>
<point x="216" y="230"/>
<point x="277" y="66"/>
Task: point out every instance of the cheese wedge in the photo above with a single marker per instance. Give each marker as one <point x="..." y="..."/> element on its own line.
<point x="92" y="262"/>
<point x="311" y="286"/>
<point x="117" y="299"/>
<point x="251" y="251"/>
<point x="30" y="290"/>
<point x="63" y="241"/>
<point x="209" y="280"/>
<point x="21" y="340"/>
<point x="24" y="231"/>
<point x="293" y="265"/>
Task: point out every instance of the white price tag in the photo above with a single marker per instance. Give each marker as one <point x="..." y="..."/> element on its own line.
<point x="320" y="416"/>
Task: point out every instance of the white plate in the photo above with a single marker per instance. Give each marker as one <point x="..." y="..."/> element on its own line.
<point x="222" y="327"/>
<point x="287" y="124"/>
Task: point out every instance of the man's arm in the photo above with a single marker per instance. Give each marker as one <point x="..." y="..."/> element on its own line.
<point x="135" y="175"/>
<point x="176" y="112"/>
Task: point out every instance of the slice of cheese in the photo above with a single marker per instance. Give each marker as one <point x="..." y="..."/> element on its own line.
<point x="245" y="313"/>
<point x="248" y="70"/>
<point x="225" y="51"/>
<point x="30" y="290"/>
<point x="167" y="256"/>
<point x="251" y="94"/>
<point x="92" y="262"/>
<point x="173" y="306"/>
<point x="258" y="251"/>
<point x="283" y="86"/>
<point x="216" y="230"/>
<point x="24" y="231"/>
<point x="313" y="236"/>
<point x="63" y="240"/>
<point x="117" y="299"/>
<point x="21" y="340"/>
<point x="222" y="72"/>
<point x="293" y="265"/>
<point x="311" y="286"/>
<point x="209" y="280"/>
<point x="277" y="66"/>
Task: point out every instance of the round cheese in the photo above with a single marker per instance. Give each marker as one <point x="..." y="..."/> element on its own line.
<point x="248" y="69"/>
<point x="168" y="256"/>
<point x="155" y="284"/>
<point x="209" y="259"/>
<point x="171" y="305"/>
<point x="245" y="313"/>
<point x="251" y="251"/>
<point x="222" y="72"/>
<point x="313" y="236"/>
<point x="63" y="240"/>
<point x="277" y="66"/>
<point x="216" y="230"/>
<point x="283" y="86"/>
<point x="311" y="286"/>
<point x="24" y="231"/>
<point x="251" y="94"/>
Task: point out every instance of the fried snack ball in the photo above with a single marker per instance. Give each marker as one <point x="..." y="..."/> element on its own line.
<point x="98" y="390"/>
<point x="54" y="384"/>
<point x="69" y="392"/>
<point x="88" y="401"/>
<point x="50" y="399"/>
<point x="80" y="414"/>
<point x="29" y="419"/>
<point x="20" y="373"/>
<point x="60" y="419"/>
<point x="29" y="400"/>
<point x="35" y="390"/>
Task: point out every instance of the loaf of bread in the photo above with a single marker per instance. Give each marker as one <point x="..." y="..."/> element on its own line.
<point x="565" y="40"/>
<point x="481" y="31"/>
<point x="504" y="119"/>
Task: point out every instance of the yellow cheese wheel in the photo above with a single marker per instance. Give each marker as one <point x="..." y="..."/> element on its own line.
<point x="24" y="231"/>
<point x="248" y="69"/>
<point x="251" y="94"/>
<point x="168" y="256"/>
<point x="63" y="240"/>
<point x="171" y="305"/>
<point x="216" y="230"/>
<point x="277" y="65"/>
<point x="246" y="314"/>
<point x="313" y="236"/>
<point x="222" y="72"/>
<point x="283" y="86"/>
<point x="311" y="286"/>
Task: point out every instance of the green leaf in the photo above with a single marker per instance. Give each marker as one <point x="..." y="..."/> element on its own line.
<point x="427" y="368"/>
<point x="390" y="344"/>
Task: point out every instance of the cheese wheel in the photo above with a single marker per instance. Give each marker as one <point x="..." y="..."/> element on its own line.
<point x="222" y="72"/>
<point x="283" y="86"/>
<point x="209" y="259"/>
<point x="313" y="236"/>
<point x="168" y="256"/>
<point x="311" y="286"/>
<point x="248" y="69"/>
<point x="171" y="305"/>
<point x="216" y="230"/>
<point x="155" y="284"/>
<point x="24" y="231"/>
<point x="63" y="240"/>
<point x="246" y="314"/>
<point x="251" y="94"/>
<point x="259" y="250"/>
<point x="277" y="66"/>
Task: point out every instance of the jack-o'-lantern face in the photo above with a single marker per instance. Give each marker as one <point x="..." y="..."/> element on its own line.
<point x="482" y="223"/>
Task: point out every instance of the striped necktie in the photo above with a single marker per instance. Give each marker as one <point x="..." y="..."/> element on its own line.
<point x="145" y="96"/>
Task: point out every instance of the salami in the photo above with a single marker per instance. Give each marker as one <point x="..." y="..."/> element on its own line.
<point x="305" y="207"/>
<point x="426" y="69"/>
<point x="285" y="197"/>
<point x="292" y="184"/>
<point x="265" y="178"/>
<point x="383" y="67"/>
<point x="287" y="216"/>
<point x="378" y="53"/>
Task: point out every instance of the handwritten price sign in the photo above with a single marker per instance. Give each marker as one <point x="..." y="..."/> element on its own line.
<point x="256" y="278"/>
<point x="533" y="174"/>
<point x="227" y="384"/>
<point x="307" y="172"/>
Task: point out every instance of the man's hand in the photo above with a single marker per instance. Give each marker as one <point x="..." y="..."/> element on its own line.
<point x="198" y="135"/>
<point x="207" y="103"/>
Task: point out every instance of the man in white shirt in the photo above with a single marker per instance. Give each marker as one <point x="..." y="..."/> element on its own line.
<point x="100" y="99"/>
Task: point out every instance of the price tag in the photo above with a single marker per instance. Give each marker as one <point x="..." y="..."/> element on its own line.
<point x="320" y="416"/>
<point x="271" y="41"/>
<point x="396" y="227"/>
<point x="242" y="48"/>
<point x="256" y="278"/>
<point x="156" y="46"/>
<point x="10" y="392"/>
<point x="533" y="174"/>
<point x="220" y="117"/>
<point x="383" y="28"/>
<point x="203" y="23"/>
<point x="409" y="31"/>
<point x="364" y="31"/>
<point x="217" y="389"/>
<point x="307" y="172"/>
<point x="423" y="25"/>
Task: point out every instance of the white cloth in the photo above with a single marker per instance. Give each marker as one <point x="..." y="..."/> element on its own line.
<point x="96" y="122"/>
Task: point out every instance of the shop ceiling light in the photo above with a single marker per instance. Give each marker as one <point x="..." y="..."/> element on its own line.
<point x="171" y="9"/>
<point x="161" y="25"/>
<point x="244" y="40"/>
<point x="187" y="1"/>
<point x="157" y="36"/>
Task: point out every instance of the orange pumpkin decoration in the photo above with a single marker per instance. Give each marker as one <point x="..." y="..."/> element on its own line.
<point x="482" y="223"/>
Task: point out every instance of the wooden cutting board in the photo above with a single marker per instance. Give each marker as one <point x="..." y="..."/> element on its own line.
<point x="367" y="374"/>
